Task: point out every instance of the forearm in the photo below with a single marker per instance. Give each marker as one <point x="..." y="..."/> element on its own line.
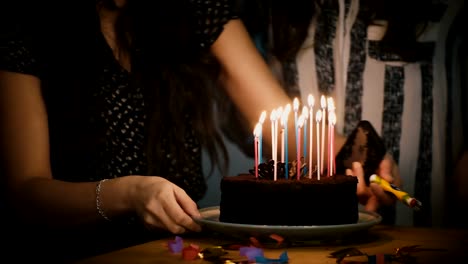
<point x="43" y="201"/>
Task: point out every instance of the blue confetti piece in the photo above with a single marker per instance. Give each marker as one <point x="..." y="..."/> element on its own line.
<point x="251" y="252"/>
<point x="281" y="260"/>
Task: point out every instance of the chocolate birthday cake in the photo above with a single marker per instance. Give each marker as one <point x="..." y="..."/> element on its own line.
<point x="246" y="199"/>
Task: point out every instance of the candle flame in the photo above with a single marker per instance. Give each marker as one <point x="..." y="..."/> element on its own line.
<point x="279" y="111"/>
<point x="305" y="112"/>
<point x="300" y="121"/>
<point x="273" y="115"/>
<point x="330" y="104"/>
<point x="285" y="115"/>
<point x="332" y="117"/>
<point x="311" y="100"/>
<point x="257" y="130"/>
<point x="262" y="117"/>
<point x="296" y="104"/>
<point x="318" y="116"/>
<point x="287" y="108"/>
<point x="284" y="118"/>
<point x="323" y="101"/>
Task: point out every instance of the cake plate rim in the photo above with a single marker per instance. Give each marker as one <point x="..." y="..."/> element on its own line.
<point x="209" y="220"/>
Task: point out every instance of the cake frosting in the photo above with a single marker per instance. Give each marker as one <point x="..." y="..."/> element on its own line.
<point x="246" y="199"/>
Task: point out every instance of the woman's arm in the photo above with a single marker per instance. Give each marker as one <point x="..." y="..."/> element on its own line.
<point x="247" y="78"/>
<point x="25" y="148"/>
<point x="39" y="199"/>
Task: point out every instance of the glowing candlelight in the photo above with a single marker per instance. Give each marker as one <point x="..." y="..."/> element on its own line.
<point x="318" y="118"/>
<point x="300" y="123"/>
<point x="261" y="120"/>
<point x="323" y="103"/>
<point x="285" y="116"/>
<point x="257" y="131"/>
<point x="305" y="114"/>
<point x="311" y="102"/>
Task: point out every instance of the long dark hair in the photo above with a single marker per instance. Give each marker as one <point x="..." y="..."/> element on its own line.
<point x="178" y="77"/>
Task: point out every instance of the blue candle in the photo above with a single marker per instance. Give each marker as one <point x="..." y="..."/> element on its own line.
<point x="286" y="159"/>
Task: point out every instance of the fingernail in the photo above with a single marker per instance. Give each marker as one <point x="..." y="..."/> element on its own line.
<point x="356" y="165"/>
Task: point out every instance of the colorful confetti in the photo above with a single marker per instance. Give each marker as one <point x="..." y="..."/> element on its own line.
<point x="176" y="245"/>
<point x="190" y="252"/>
<point x="251" y="252"/>
<point x="283" y="258"/>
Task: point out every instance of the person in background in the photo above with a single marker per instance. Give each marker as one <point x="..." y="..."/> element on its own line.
<point x="381" y="61"/>
<point x="104" y="110"/>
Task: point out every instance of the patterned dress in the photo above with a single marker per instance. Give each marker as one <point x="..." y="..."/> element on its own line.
<point x="106" y="136"/>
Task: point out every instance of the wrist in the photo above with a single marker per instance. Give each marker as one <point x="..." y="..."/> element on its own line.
<point x="99" y="207"/>
<point x="112" y="198"/>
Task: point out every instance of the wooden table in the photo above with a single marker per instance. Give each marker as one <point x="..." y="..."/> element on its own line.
<point x="436" y="246"/>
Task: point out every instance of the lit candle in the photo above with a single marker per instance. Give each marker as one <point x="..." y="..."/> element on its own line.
<point x="279" y="111"/>
<point x="323" y="103"/>
<point x="296" y="109"/>
<point x="318" y="118"/>
<point x="328" y="145"/>
<point x="282" y="138"/>
<point x="305" y="114"/>
<point x="332" y="118"/>
<point x="274" y="141"/>
<point x="311" y="101"/>
<point x="286" y="112"/>
<point x="256" y="133"/>
<point x="279" y="115"/>
<point x="300" y="123"/>
<point x="331" y="111"/>
<point x="261" y="120"/>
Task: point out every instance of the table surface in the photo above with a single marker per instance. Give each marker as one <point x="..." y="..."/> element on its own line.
<point x="435" y="245"/>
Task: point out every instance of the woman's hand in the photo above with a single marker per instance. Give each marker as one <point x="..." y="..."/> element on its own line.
<point x="373" y="196"/>
<point x="162" y="204"/>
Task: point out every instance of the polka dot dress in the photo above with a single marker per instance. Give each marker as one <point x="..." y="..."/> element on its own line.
<point x="122" y="152"/>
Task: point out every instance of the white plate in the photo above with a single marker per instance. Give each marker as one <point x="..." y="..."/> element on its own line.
<point x="210" y="222"/>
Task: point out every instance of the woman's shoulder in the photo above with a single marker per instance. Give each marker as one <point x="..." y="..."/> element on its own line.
<point x="16" y="43"/>
<point x="211" y="16"/>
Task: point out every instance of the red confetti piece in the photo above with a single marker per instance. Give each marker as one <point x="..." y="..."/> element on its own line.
<point x="380" y="258"/>
<point x="277" y="238"/>
<point x="255" y="242"/>
<point x="190" y="252"/>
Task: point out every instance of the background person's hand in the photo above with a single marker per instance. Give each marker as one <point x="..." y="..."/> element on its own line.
<point x="162" y="204"/>
<point x="373" y="196"/>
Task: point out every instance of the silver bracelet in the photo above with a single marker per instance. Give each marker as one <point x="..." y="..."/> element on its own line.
<point x="98" y="199"/>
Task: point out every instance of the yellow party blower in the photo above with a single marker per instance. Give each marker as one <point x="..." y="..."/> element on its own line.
<point x="401" y="195"/>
